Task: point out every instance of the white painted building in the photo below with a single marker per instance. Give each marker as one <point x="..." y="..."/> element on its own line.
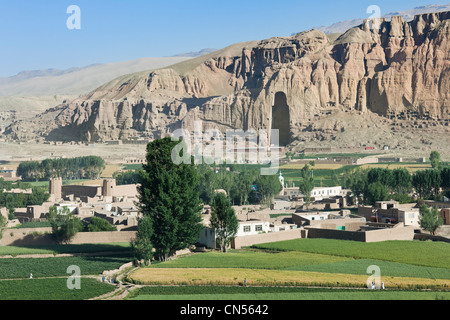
<point x="319" y="216"/>
<point x="324" y="193"/>
<point x="73" y="207"/>
<point x="317" y="193"/>
<point x="282" y="227"/>
<point x="207" y="236"/>
<point x="252" y="227"/>
<point x="409" y="217"/>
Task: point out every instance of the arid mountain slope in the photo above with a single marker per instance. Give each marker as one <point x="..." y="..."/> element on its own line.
<point x="29" y="93"/>
<point x="394" y="70"/>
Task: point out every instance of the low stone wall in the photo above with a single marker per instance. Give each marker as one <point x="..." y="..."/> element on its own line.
<point x="27" y="237"/>
<point x="424" y="236"/>
<point x="389" y="234"/>
<point x="362" y="161"/>
<point x="349" y="224"/>
<point x="336" y="234"/>
<point x="385" y="160"/>
<point x="43" y="236"/>
<point x="103" y="237"/>
<point x="444" y="231"/>
<point x="248" y="241"/>
<point x="397" y="233"/>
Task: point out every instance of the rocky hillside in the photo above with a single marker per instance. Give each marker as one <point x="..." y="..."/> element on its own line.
<point x="312" y="86"/>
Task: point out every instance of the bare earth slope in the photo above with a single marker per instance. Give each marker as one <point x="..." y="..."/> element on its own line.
<point x="32" y="92"/>
<point x="389" y="77"/>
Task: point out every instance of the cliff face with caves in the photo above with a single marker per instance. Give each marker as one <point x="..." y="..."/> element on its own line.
<point x="387" y="68"/>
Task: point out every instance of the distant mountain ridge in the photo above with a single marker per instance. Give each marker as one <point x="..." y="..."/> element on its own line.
<point x="76" y="81"/>
<point x="28" y="74"/>
<point x="407" y="15"/>
<point x="82" y="80"/>
<point x="196" y="53"/>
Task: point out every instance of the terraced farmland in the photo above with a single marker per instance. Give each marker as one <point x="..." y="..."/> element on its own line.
<point x="315" y="263"/>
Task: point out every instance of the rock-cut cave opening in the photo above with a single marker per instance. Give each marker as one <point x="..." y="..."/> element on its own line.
<point x="281" y="118"/>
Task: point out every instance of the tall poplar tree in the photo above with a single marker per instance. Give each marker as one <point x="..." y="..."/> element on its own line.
<point x="307" y="184"/>
<point x="224" y="221"/>
<point x="168" y="194"/>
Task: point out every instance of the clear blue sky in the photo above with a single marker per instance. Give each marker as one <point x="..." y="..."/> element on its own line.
<point x="34" y="34"/>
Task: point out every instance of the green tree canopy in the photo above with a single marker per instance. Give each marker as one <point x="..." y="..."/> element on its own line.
<point x="168" y="194"/>
<point x="381" y="175"/>
<point x="430" y="219"/>
<point x="401" y="181"/>
<point x="427" y="183"/>
<point x="3" y="224"/>
<point x="97" y="224"/>
<point x="307" y="184"/>
<point x="142" y="246"/>
<point x="435" y="159"/>
<point x="445" y="178"/>
<point x="207" y="182"/>
<point x="64" y="224"/>
<point x="224" y="221"/>
<point x="268" y="187"/>
<point x="87" y="167"/>
<point x="377" y="192"/>
<point x="22" y="200"/>
<point x="243" y="186"/>
<point x="127" y="177"/>
<point x="357" y="182"/>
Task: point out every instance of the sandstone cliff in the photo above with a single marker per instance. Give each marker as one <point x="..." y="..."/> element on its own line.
<point x="393" y="69"/>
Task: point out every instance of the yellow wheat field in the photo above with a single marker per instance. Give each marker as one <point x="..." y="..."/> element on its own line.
<point x="236" y="276"/>
<point x="109" y="170"/>
<point x="410" y="167"/>
<point x="98" y="182"/>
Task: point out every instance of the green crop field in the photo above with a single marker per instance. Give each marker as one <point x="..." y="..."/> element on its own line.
<point x="429" y="254"/>
<point x="249" y="259"/>
<point x="62" y="249"/>
<point x="322" y="177"/>
<point x="302" y="261"/>
<point x="133" y="166"/>
<point x="31" y="225"/>
<point x="52" y="289"/>
<point x="276" y="293"/>
<point x="20" y="268"/>
<point x="50" y="274"/>
<point x="304" y="269"/>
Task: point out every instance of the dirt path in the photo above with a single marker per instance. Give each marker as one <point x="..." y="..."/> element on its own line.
<point x="123" y="288"/>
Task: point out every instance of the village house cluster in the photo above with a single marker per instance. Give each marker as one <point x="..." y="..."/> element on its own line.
<point x="327" y="216"/>
<point x="114" y="203"/>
